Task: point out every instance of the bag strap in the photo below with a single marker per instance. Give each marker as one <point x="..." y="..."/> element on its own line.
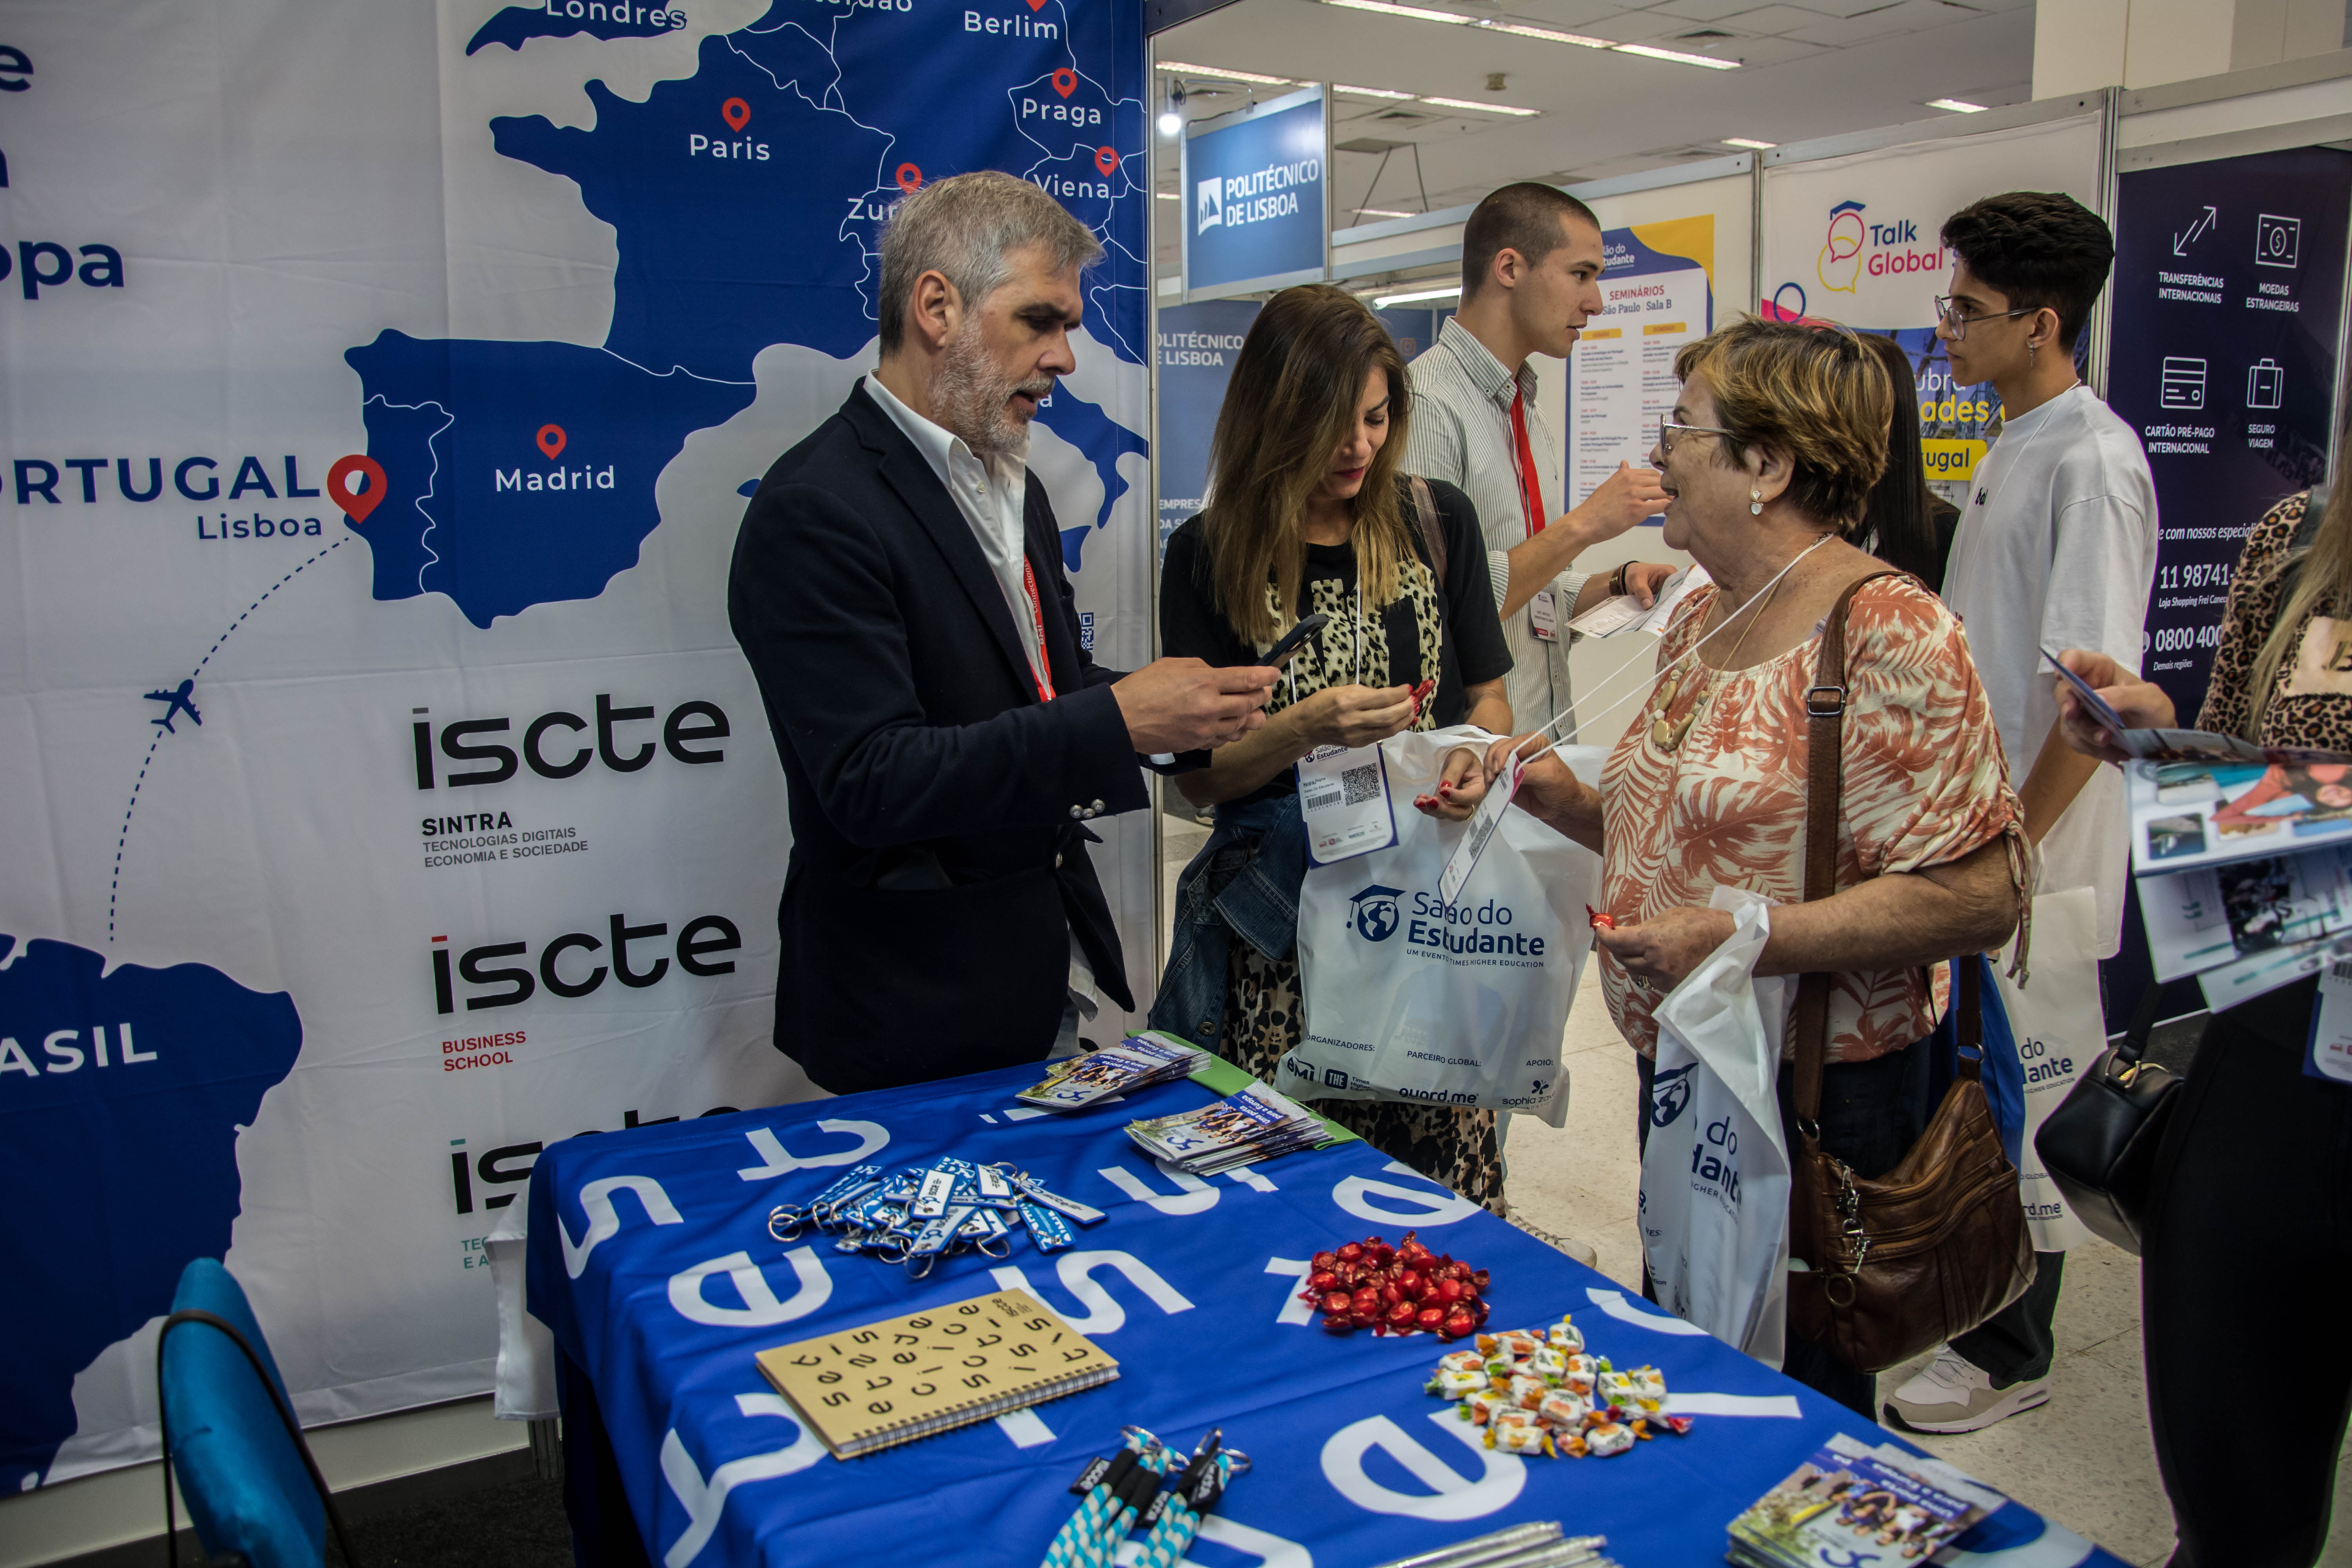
<point x="1432" y="538"/>
<point x="1824" y="770"/>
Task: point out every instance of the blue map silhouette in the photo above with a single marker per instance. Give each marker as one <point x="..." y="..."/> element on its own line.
<point x="734" y="236"/>
<point x="562" y="18"/>
<point x="124" y="1171"/>
<point x="458" y="515"/>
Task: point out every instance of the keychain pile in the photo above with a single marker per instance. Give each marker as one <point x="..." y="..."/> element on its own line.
<point x="925" y="1213"/>
<point x="1540" y="1394"/>
<point x="1123" y="1492"/>
<point x="1400" y="1290"/>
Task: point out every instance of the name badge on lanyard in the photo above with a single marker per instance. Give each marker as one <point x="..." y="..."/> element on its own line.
<point x="1343" y="795"/>
<point x="1543" y="616"/>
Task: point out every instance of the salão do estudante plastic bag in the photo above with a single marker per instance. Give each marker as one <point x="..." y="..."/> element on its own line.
<point x="1410" y="997"/>
<point x="1715" y="1173"/>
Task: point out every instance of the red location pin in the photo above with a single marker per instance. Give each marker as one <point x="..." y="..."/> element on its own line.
<point x="551" y="441"/>
<point x="356" y="503"/>
<point x="908" y="177"/>
<point x="1036" y="4"/>
<point x="1106" y="160"/>
<point x="736" y="112"/>
<point x="1066" y="81"/>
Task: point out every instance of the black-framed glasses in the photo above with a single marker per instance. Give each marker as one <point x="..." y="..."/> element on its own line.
<point x="1667" y="429"/>
<point x="1955" y="317"/>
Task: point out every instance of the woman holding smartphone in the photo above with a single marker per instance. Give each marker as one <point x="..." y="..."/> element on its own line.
<point x="2249" y="1234"/>
<point x="1308" y="515"/>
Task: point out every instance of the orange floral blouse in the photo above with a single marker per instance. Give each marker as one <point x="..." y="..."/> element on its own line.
<point x="1924" y="783"/>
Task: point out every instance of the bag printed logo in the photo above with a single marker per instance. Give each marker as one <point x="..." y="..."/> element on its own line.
<point x="1410" y="998"/>
<point x="1377" y="918"/>
<point x="1670" y="1095"/>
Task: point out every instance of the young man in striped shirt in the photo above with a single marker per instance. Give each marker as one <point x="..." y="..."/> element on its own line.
<point x="1531" y="264"/>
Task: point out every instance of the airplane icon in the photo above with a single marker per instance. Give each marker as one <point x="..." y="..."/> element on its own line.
<point x="179" y="704"/>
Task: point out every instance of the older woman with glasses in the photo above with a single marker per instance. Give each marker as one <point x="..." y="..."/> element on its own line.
<point x="1779" y="433"/>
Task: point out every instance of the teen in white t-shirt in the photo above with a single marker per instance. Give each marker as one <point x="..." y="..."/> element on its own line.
<point x="2056" y="549"/>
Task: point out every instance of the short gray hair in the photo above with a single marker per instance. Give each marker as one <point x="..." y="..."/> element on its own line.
<point x="962" y="228"/>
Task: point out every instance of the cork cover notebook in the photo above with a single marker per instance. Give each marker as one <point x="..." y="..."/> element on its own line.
<point x="904" y="1378"/>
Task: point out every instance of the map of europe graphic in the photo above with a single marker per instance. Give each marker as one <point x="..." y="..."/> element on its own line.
<point x="520" y="473"/>
<point x="746" y="203"/>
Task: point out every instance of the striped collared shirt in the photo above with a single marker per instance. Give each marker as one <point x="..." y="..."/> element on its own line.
<point x="1461" y="433"/>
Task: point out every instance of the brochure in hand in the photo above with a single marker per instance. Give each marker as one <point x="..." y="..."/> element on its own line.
<point x="1853" y="1502"/>
<point x="1137" y="1062"/>
<point x="1239" y="1130"/>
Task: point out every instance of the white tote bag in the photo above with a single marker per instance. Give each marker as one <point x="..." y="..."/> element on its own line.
<point x="2060" y="1032"/>
<point x="1715" y="1173"/>
<point x="1408" y="997"/>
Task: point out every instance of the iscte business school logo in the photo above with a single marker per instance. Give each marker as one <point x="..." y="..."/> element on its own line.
<point x="1377" y="916"/>
<point x="1209" y="204"/>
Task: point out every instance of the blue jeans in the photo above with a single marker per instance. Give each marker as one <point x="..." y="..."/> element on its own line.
<point x="1244" y="882"/>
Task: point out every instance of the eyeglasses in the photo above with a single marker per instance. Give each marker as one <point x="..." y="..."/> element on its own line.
<point x="1667" y="426"/>
<point x="1957" y="316"/>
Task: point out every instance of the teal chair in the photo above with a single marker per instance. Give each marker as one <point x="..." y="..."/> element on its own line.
<point x="254" y="1492"/>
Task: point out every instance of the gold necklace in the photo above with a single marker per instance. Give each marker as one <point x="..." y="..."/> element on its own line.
<point x="1668" y="736"/>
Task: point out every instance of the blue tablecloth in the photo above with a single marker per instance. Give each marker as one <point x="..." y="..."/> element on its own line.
<point x="649" y="1259"/>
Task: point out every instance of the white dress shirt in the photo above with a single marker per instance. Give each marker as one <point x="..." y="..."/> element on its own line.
<point x="993" y="498"/>
<point x="1461" y="433"/>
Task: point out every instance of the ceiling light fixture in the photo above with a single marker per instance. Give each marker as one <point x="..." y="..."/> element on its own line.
<point x="1168" y="195"/>
<point x="1368" y="92"/>
<point x="1750" y="143"/>
<point x="1957" y="105"/>
<point x="1218" y="73"/>
<point x="1384" y="301"/>
<point x="1479" y="108"/>
<point x="1649" y="52"/>
<point x="1526" y="30"/>
<point x="1383" y="212"/>
<point x="1418" y="12"/>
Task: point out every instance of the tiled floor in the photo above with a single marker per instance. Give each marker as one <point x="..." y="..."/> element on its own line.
<point x="2084" y="1458"/>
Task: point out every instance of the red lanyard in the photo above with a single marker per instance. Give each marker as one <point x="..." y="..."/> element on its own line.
<point x="1044" y="669"/>
<point x="1523" y="458"/>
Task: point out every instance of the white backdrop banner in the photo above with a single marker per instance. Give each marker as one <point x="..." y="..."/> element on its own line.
<point x="385" y="794"/>
<point x="1856" y="238"/>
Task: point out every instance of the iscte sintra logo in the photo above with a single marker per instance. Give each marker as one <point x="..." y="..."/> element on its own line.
<point x="1375" y="913"/>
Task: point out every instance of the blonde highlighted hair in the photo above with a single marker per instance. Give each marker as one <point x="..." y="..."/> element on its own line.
<point x="2321" y="574"/>
<point x="1290" y="406"/>
<point x="1816" y="394"/>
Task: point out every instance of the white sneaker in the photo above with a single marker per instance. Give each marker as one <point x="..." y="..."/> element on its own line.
<point x="1952" y="1394"/>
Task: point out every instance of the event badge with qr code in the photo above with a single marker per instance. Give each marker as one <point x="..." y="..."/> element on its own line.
<point x="2329" y="1053"/>
<point x="1344" y="796"/>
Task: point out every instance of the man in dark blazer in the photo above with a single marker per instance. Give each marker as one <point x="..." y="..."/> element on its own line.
<point x="897" y="588"/>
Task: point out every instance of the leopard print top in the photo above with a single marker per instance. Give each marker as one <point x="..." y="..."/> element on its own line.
<point x="2257" y="595"/>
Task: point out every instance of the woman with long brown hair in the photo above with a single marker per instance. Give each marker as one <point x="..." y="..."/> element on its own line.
<point x="1308" y="515"/>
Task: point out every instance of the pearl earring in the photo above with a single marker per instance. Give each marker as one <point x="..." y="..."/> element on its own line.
<point x="1756" y="503"/>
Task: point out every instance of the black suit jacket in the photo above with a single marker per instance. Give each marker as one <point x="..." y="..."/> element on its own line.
<point x="939" y="807"/>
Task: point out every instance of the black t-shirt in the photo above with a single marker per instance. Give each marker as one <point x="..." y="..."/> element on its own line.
<point x="1394" y="646"/>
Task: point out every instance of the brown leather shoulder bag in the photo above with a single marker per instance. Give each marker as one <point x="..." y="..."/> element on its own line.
<point x="1894" y="1266"/>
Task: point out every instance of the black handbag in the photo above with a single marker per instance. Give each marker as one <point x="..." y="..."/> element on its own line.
<point x="2100" y="1144"/>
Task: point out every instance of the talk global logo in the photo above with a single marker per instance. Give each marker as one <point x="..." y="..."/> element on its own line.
<point x="1375" y="913"/>
<point x="1839" y="266"/>
<point x="1209" y="205"/>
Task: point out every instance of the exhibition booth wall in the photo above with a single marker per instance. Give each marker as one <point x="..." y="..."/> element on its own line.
<point x="389" y="797"/>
